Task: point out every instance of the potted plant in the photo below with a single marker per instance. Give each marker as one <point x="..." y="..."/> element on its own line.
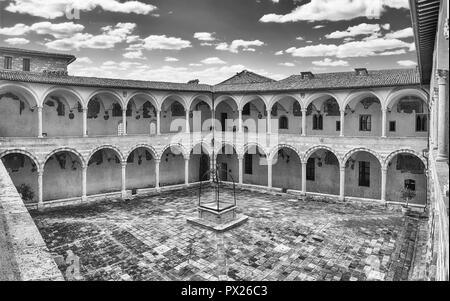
<point x="407" y="195"/>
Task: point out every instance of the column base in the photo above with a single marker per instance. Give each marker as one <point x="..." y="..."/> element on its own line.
<point x="84" y="199"/>
<point x="40" y="207"/>
<point x="124" y="194"/>
<point x="341" y="198"/>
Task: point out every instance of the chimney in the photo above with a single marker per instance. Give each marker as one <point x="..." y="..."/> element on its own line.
<point x="194" y="82"/>
<point x="361" y="71"/>
<point x="307" y="75"/>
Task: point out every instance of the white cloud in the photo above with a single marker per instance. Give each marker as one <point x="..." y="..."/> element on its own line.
<point x="84" y="60"/>
<point x="407" y="63"/>
<point x="134" y="55"/>
<point x="59" y="30"/>
<point x="357" y="30"/>
<point x="395" y="52"/>
<point x="299" y="38"/>
<point x="163" y="42"/>
<point x="287" y="64"/>
<point x="16" y="30"/>
<point x="281" y="52"/>
<point x="204" y="36"/>
<point x="213" y="61"/>
<point x="365" y="48"/>
<point x="335" y="10"/>
<point x="195" y="65"/>
<point x="52" y="9"/>
<point x="386" y="26"/>
<point x="318" y="26"/>
<point x="237" y="45"/>
<point x="401" y="34"/>
<point x="171" y="59"/>
<point x="327" y="62"/>
<point x="17" y="41"/>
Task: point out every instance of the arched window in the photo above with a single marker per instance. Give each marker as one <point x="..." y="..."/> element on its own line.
<point x="283" y="123"/>
<point x="421" y="122"/>
<point x="317" y="122"/>
<point x="177" y="109"/>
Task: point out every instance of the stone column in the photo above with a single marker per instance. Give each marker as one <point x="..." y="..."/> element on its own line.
<point x="342" y="183"/>
<point x="304" y="178"/>
<point x="435" y="120"/>
<point x="84" y="184"/>
<point x="124" y="122"/>
<point x="443" y="117"/>
<point x="157" y="185"/>
<point x="40" y="189"/>
<point x="158" y="122"/>
<point x="269" y="172"/>
<point x="124" y="179"/>
<point x="383" y="183"/>
<point x="303" y="122"/>
<point x="213" y="120"/>
<point x="39" y="111"/>
<point x="342" y="123"/>
<point x="269" y="121"/>
<point x="186" y="171"/>
<point x="85" y="129"/>
<point x="187" y="122"/>
<point x="240" y="121"/>
<point x="241" y="169"/>
<point x="383" y="122"/>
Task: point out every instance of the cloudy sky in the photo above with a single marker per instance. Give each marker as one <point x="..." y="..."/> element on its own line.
<point x="180" y="40"/>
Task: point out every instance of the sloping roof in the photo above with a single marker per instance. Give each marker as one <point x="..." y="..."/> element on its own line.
<point x="246" y="77"/>
<point x="329" y="81"/>
<point x="70" y="58"/>
<point x="98" y="82"/>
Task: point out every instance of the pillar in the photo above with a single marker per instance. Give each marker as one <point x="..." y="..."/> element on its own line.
<point x="187" y="122"/>
<point x="303" y="122"/>
<point x="342" y="183"/>
<point x="124" y="179"/>
<point x="442" y="109"/>
<point x="213" y="120"/>
<point x="241" y="169"/>
<point x="383" y="183"/>
<point x="124" y="122"/>
<point x="186" y="171"/>
<point x="269" y="121"/>
<point x="84" y="184"/>
<point x="240" y="121"/>
<point x="269" y="172"/>
<point x="85" y="130"/>
<point x="304" y="178"/>
<point x="157" y="185"/>
<point x="158" y="122"/>
<point x="40" y="134"/>
<point x="342" y="122"/>
<point x="40" y="189"/>
<point x="383" y="122"/>
<point x="435" y="120"/>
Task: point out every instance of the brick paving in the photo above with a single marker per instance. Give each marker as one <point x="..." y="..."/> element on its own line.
<point x="284" y="239"/>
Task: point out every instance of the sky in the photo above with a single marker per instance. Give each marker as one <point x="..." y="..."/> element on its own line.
<point x="211" y="40"/>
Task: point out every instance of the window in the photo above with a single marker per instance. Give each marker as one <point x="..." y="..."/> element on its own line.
<point x="392" y="126"/>
<point x="317" y="122"/>
<point x="26" y="65"/>
<point x="248" y="158"/>
<point x="410" y="184"/>
<point x="365" y="123"/>
<point x="8" y="62"/>
<point x="338" y="126"/>
<point x="246" y="110"/>
<point x="311" y="169"/>
<point x="364" y="174"/>
<point x="283" y="123"/>
<point x="421" y="122"/>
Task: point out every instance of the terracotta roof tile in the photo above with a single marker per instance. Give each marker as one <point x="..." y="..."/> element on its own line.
<point x="246" y="77"/>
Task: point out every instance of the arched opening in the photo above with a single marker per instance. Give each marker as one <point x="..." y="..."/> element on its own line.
<point x="286" y="170"/>
<point x="62" y="176"/>
<point x="140" y="172"/>
<point x="172" y="167"/>
<point x="18" y="113"/>
<point x="104" y="173"/>
<point x="141" y="115"/>
<point x="255" y="166"/>
<point x="227" y="160"/>
<point x="173" y="115"/>
<point x="104" y="116"/>
<point x="322" y="173"/>
<point x="406" y="172"/>
<point x="323" y="117"/>
<point x="254" y="115"/>
<point x="200" y="116"/>
<point x="363" y="117"/>
<point x="24" y="175"/>
<point x="227" y="109"/>
<point x="288" y="111"/>
<point x="407" y="116"/>
<point x="199" y="164"/>
<point x="363" y="176"/>
<point x="62" y="115"/>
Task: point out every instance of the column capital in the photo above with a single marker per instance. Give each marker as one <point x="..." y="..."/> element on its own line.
<point x="442" y="76"/>
<point x="240" y="157"/>
<point x="39" y="108"/>
<point x="342" y="168"/>
<point x="40" y="172"/>
<point x="123" y="163"/>
<point x="157" y="161"/>
<point x="384" y="169"/>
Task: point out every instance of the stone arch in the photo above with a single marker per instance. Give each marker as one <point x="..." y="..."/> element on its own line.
<point x="277" y="98"/>
<point x="220" y="146"/>
<point x="110" y="147"/>
<point x="204" y="146"/>
<point x="259" y="146"/>
<point x="313" y="149"/>
<point x="67" y="150"/>
<point x="203" y="97"/>
<point x="104" y="91"/>
<point x="249" y="98"/>
<point x="275" y="150"/>
<point x="360" y="95"/>
<point x="151" y="97"/>
<point x="30" y="96"/>
<point x="171" y="146"/>
<point x="222" y="98"/>
<point x="315" y="96"/>
<point x="392" y="155"/>
<point x="396" y="95"/>
<point x="147" y="147"/>
<point x="71" y="91"/>
<point x="361" y="149"/>
<point x="176" y="97"/>
<point x="32" y="157"/>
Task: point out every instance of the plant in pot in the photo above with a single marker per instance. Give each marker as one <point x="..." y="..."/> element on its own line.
<point x="407" y="195"/>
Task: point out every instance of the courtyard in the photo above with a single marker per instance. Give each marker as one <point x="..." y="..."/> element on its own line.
<point x="284" y="239"/>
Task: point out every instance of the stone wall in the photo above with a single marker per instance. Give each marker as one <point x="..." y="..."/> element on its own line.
<point x="37" y="63"/>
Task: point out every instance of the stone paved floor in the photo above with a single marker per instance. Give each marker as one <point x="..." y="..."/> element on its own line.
<point x="284" y="239"/>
